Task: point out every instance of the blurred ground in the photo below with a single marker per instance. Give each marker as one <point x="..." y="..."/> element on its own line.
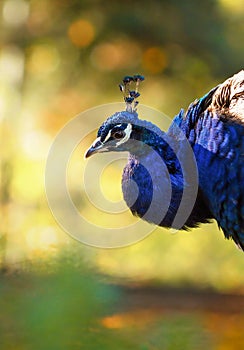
<point x="71" y="308"/>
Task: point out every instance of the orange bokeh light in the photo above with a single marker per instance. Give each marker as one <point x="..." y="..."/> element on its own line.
<point x="121" y="54"/>
<point x="154" y="60"/>
<point x="81" y="33"/>
<point x="139" y="317"/>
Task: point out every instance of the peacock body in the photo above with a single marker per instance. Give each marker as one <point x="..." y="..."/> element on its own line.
<point x="153" y="180"/>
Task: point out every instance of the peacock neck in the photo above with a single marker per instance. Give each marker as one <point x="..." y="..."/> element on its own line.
<point x="153" y="175"/>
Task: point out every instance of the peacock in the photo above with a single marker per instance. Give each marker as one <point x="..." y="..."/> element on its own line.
<point x="210" y="134"/>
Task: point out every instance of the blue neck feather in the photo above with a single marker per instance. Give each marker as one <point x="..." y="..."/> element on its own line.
<point x="159" y="192"/>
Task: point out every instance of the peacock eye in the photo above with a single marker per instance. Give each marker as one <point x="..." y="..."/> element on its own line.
<point x="119" y="134"/>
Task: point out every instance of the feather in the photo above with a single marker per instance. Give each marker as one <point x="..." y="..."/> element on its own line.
<point x="154" y="181"/>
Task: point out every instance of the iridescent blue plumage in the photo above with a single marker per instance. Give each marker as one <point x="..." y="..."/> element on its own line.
<point x="153" y="180"/>
<point x="217" y="139"/>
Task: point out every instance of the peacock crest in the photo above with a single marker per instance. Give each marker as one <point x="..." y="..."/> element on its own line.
<point x="131" y="95"/>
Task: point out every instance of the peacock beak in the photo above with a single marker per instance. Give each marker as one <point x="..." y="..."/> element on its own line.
<point x="97" y="146"/>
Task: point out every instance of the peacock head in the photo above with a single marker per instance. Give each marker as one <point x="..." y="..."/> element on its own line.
<point x="113" y="135"/>
<point x="117" y="130"/>
<point x="121" y="130"/>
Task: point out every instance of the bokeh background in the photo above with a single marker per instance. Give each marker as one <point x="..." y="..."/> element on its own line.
<point x="57" y="59"/>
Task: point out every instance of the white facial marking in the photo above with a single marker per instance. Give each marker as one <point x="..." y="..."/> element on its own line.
<point x="94" y="143"/>
<point x="108" y="136"/>
<point x="127" y="132"/>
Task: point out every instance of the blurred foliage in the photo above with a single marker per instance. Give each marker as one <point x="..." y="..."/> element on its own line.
<point x="58" y="58"/>
<point x="59" y="310"/>
<point x="64" y="310"/>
